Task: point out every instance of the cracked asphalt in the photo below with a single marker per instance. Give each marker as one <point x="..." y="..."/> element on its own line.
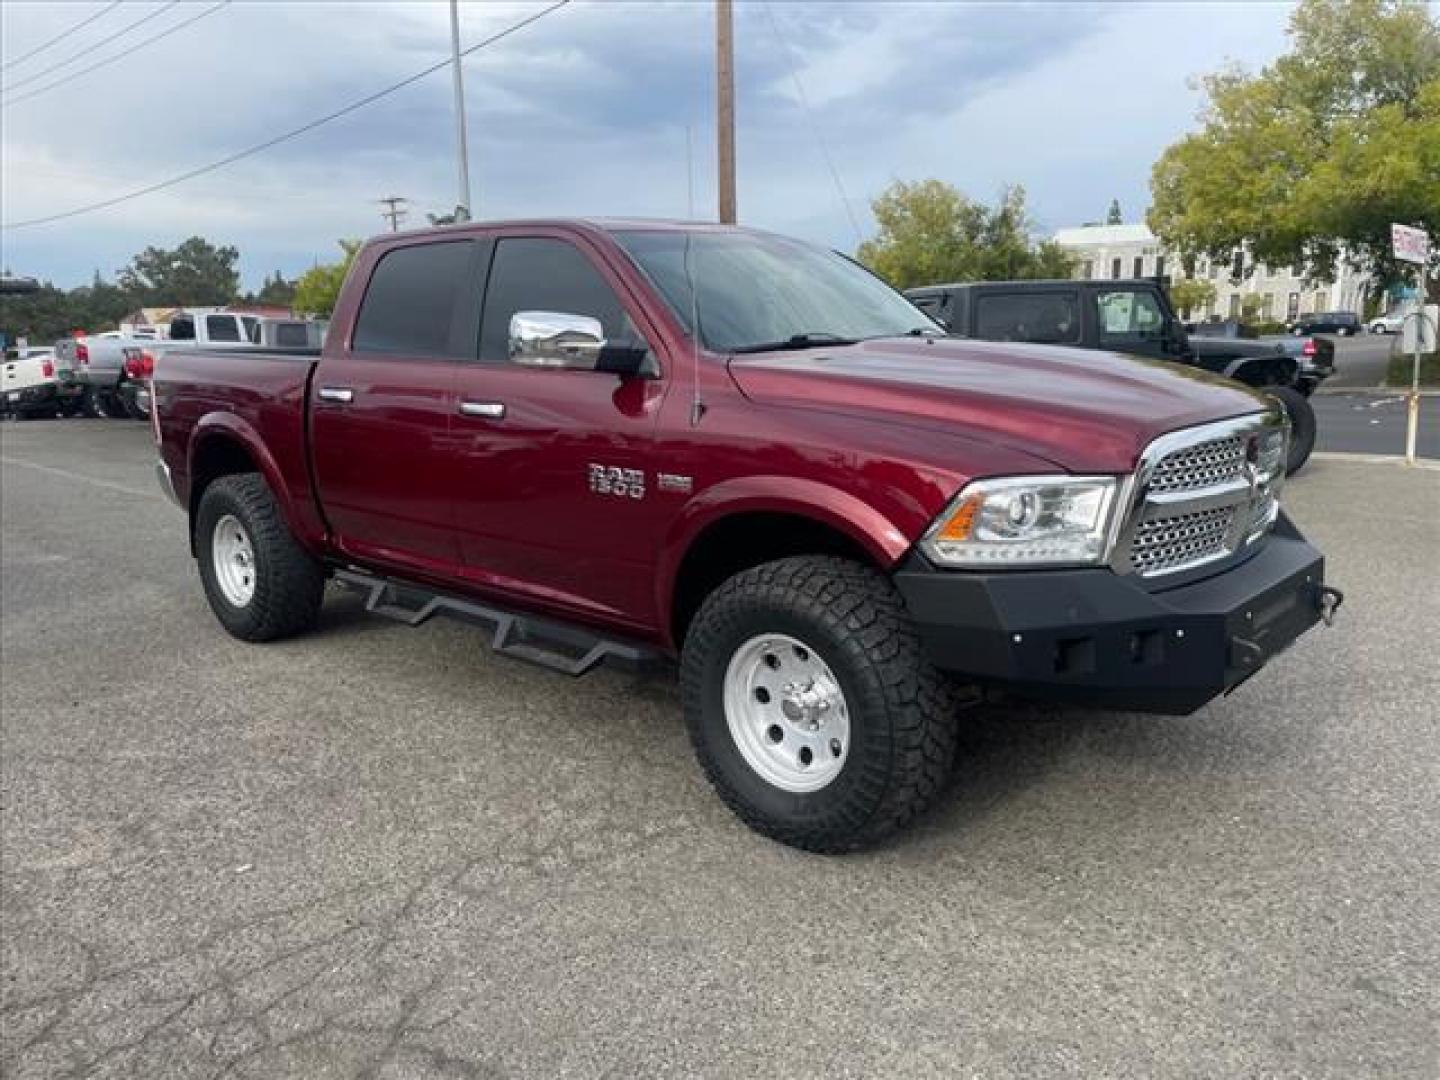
<point x="382" y="852"/>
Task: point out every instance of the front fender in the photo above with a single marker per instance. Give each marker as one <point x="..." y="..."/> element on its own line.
<point x="880" y="538"/>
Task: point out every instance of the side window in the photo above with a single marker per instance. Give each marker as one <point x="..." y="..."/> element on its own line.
<point x="182" y="329"/>
<point x="291" y="335"/>
<point x="409" y="305"/>
<point x="1126" y="316"/>
<point x="543" y="274"/>
<point x="1051" y="318"/>
<point x="222" y="328"/>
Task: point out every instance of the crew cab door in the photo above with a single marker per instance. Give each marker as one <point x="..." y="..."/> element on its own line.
<point x="556" y="499"/>
<point x="382" y="403"/>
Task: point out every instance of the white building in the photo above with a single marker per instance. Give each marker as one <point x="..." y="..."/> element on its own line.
<point x="1281" y="293"/>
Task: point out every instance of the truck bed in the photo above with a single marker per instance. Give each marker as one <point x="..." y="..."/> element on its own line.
<point x="255" y="394"/>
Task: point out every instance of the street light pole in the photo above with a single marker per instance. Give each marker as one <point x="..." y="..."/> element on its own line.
<point x="725" y="107"/>
<point x="462" y="208"/>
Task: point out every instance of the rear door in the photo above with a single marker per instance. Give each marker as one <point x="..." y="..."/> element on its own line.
<point x="556" y="497"/>
<point x="382" y="405"/>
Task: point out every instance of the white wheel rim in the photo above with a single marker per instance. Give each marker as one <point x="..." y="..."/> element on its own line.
<point x="786" y="713"/>
<point x="233" y="557"/>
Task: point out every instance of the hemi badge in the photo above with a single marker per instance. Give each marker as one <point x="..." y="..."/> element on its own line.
<point x="674" y="482"/>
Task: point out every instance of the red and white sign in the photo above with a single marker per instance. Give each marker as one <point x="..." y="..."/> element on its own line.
<point x="1409" y="244"/>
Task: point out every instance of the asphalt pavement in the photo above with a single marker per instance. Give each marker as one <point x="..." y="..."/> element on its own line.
<point x="382" y="852"/>
<point x="1370" y="422"/>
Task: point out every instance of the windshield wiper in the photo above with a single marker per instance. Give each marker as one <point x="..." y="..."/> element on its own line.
<point x="796" y="341"/>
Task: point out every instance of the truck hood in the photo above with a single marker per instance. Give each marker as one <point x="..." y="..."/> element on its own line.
<point x="1082" y="410"/>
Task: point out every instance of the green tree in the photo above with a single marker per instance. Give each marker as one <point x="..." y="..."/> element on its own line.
<point x="930" y="232"/>
<point x="195" y="274"/>
<point x="1316" y="155"/>
<point x="319" y="287"/>
<point x="1190" y="294"/>
<point x="1114" y="216"/>
<point x="275" y="291"/>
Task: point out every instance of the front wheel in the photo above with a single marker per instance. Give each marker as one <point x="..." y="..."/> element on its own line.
<point x="1298" y="331"/>
<point x="811" y="705"/>
<point x="1343" y="331"/>
<point x="261" y="584"/>
<point x="1302" y="425"/>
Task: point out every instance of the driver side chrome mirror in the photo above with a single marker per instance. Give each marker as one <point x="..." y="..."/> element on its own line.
<point x="555" y="339"/>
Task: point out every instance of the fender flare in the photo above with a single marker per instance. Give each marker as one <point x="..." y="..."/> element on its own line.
<point x="228" y="426"/>
<point x="847" y="514"/>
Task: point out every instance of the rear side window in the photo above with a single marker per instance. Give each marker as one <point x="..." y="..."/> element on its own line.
<point x="222" y="328"/>
<point x="182" y="329"/>
<point x="1044" y="318"/>
<point x="409" y="306"/>
<point x="291" y="336"/>
<point x="541" y="274"/>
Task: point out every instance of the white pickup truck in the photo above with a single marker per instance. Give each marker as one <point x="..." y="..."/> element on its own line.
<point x="96" y="362"/>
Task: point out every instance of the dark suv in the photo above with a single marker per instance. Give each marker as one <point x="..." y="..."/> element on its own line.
<point x="1131" y="316"/>
<point x="1343" y="323"/>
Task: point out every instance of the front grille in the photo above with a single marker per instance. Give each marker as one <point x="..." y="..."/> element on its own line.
<point x="1200" y="466"/>
<point x="1204" y="493"/>
<point x="1167" y="543"/>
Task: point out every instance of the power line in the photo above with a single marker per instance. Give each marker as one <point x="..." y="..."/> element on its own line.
<point x="810" y="120"/>
<point x="117" y="56"/>
<point x="28" y="79"/>
<point x="150" y="189"/>
<point x="61" y="36"/>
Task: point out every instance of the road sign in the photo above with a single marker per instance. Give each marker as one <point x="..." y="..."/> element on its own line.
<point x="1409" y="244"/>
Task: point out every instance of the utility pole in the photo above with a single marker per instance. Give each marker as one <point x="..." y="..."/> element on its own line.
<point x="395" y="212"/>
<point x="725" y="106"/>
<point x="462" y="208"/>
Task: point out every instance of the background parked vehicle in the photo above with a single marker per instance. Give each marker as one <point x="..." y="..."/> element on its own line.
<point x="272" y="333"/>
<point x="1132" y="316"/>
<point x="1392" y="323"/>
<point x="1341" y="323"/>
<point x="97" y="361"/>
<point x="30" y="385"/>
<point x="1314" y="356"/>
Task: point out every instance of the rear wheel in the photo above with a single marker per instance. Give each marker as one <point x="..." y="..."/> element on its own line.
<point x="261" y="584"/>
<point x="1343" y="331"/>
<point x="1377" y="328"/>
<point x="811" y="705"/>
<point x="1302" y="425"/>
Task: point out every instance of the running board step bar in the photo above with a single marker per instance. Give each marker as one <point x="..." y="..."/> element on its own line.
<point x="570" y="650"/>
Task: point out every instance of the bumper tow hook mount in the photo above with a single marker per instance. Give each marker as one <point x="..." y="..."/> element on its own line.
<point x="1330" y="601"/>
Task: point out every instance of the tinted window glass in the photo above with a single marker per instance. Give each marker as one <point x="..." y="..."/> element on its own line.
<point x="409" y="305"/>
<point x="546" y="275"/>
<point x="1046" y="318"/>
<point x="291" y="336"/>
<point x="1127" y="316"/>
<point x="182" y="330"/>
<point x="222" y="328"/>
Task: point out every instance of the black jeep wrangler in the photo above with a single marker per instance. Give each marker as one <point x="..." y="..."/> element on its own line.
<point x="1131" y="316"/>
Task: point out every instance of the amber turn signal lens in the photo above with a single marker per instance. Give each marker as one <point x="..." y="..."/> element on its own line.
<point x="961" y="521"/>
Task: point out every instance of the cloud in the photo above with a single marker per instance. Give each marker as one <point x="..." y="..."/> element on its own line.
<point x="586" y="111"/>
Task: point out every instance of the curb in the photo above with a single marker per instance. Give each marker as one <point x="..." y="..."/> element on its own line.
<point x="1423" y="464"/>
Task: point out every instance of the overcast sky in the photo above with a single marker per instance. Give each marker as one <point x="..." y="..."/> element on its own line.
<point x="585" y="112"/>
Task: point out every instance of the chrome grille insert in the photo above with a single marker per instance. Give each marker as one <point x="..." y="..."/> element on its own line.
<point x="1200" y="466"/>
<point x="1202" y="494"/>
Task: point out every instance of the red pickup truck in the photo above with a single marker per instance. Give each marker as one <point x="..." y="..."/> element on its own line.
<point x="628" y="439"/>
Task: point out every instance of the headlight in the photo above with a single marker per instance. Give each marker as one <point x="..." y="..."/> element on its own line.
<point x="1025" y="521"/>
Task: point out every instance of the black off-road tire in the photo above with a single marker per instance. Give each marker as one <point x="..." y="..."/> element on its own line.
<point x="1302" y="425"/>
<point x="289" y="582"/>
<point x="902" y="711"/>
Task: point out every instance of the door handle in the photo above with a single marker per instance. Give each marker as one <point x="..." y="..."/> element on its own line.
<point x="489" y="410"/>
<point x="342" y="394"/>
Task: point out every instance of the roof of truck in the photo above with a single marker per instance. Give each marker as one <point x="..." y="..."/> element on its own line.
<point x="602" y="224"/>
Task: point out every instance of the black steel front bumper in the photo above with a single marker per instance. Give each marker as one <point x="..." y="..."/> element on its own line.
<point x="1095" y="637"/>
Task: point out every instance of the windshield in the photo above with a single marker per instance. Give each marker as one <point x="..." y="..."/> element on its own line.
<point x="756" y="290"/>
